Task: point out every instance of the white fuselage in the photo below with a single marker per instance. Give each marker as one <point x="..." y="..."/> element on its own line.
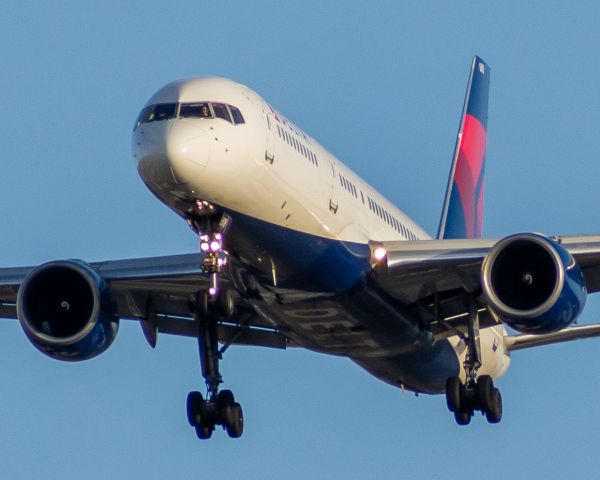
<point x="268" y="169"/>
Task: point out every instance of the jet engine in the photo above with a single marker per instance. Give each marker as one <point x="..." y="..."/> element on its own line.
<point x="65" y="311"/>
<point x="533" y="283"/>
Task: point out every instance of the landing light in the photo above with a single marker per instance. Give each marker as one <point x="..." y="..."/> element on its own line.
<point x="379" y="253"/>
<point x="204" y="246"/>
<point x="215" y="246"/>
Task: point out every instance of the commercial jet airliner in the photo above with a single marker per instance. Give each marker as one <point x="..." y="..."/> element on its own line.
<point x="297" y="250"/>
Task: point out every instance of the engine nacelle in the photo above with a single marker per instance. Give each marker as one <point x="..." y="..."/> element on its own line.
<point x="65" y="311"/>
<point x="533" y="283"/>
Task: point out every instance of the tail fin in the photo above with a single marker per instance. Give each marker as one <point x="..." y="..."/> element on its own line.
<point x="462" y="215"/>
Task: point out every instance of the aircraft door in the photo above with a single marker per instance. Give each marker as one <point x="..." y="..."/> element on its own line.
<point x="333" y="197"/>
<point x="269" y="127"/>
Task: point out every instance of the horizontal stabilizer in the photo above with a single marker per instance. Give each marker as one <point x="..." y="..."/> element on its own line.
<point x="519" y="342"/>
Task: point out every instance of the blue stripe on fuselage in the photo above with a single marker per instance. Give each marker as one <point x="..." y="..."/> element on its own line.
<point x="301" y="260"/>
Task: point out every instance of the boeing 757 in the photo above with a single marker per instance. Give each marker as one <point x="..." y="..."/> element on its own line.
<point x="297" y="250"/>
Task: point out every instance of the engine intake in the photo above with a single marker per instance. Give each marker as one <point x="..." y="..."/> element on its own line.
<point x="65" y="311"/>
<point x="533" y="283"/>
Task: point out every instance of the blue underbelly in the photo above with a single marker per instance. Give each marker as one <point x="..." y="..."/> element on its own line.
<point x="299" y="260"/>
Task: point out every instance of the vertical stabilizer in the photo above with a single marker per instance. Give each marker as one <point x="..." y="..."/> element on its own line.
<point x="462" y="215"/>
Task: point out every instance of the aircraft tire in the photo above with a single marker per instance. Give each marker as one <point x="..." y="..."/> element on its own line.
<point x="462" y="418"/>
<point x="202" y="303"/>
<point x="485" y="385"/>
<point x="195" y="403"/>
<point x="226" y="304"/>
<point x="453" y="394"/>
<point x="494" y="413"/>
<point x="236" y="427"/>
<point x="204" y="432"/>
<point x="225" y="404"/>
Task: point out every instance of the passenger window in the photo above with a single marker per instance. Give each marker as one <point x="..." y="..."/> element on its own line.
<point x="221" y="111"/>
<point x="195" y="110"/>
<point x="237" y="115"/>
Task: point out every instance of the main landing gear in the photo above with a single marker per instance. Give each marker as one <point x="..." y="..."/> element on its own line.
<point x="219" y="408"/>
<point x="478" y="393"/>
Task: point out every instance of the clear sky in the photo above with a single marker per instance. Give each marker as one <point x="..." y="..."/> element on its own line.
<point x="381" y="85"/>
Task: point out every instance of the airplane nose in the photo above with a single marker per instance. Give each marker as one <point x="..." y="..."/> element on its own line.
<point x="169" y="153"/>
<point x="185" y="144"/>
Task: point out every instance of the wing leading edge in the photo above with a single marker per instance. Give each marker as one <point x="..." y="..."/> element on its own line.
<point x="157" y="291"/>
<point x="443" y="274"/>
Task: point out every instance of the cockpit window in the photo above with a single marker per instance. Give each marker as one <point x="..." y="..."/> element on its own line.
<point x="195" y="110"/>
<point x="154" y="113"/>
<point x="221" y="111"/>
<point x="144" y="114"/>
<point x="166" y="111"/>
<point x="237" y="115"/>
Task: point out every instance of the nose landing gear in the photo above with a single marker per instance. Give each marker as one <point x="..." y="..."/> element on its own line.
<point x="219" y="408"/>
<point x="214" y="259"/>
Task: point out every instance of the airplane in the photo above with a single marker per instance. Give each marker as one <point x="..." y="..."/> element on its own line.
<point x="296" y="250"/>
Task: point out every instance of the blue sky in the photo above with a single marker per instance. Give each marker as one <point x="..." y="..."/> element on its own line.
<point x="381" y="86"/>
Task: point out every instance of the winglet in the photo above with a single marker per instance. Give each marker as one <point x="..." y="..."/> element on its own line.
<point x="462" y="215"/>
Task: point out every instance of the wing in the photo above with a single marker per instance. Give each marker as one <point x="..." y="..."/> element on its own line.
<point x="438" y="277"/>
<point x="434" y="277"/>
<point x="157" y="292"/>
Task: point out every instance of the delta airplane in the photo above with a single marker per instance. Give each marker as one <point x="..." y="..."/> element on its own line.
<point x="296" y="250"/>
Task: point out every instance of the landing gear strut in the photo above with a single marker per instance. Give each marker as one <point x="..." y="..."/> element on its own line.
<point x="214" y="260"/>
<point x="478" y="392"/>
<point x="219" y="408"/>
